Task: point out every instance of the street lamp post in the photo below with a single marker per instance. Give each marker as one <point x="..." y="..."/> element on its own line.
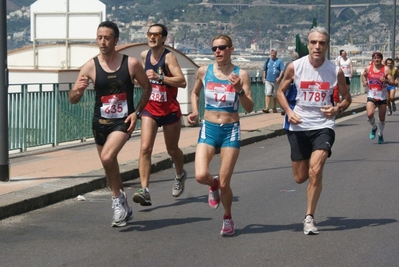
<point x="4" y="159"/>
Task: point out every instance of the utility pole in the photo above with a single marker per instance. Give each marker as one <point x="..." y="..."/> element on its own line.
<point x="328" y="7"/>
<point x="393" y="30"/>
<point x="4" y="160"/>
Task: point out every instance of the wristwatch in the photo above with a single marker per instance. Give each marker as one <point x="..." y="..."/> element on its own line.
<point x="160" y="79"/>
<point x="241" y="92"/>
<point x="138" y="114"/>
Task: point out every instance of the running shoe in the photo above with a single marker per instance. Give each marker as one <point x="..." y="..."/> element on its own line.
<point x="274" y="110"/>
<point x="129" y="215"/>
<point x="265" y="110"/>
<point x="393" y="107"/>
<point x="120" y="208"/>
<point x="389" y="113"/>
<point x="228" y="227"/>
<point x="142" y="197"/>
<point x="178" y="186"/>
<point x="309" y="226"/>
<point x="380" y="139"/>
<point x="213" y="196"/>
<point x="123" y="223"/>
<point x="372" y="133"/>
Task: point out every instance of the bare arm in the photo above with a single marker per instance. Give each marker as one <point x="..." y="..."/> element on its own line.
<point x="331" y="111"/>
<point x="86" y="74"/>
<point x="364" y="76"/>
<point x="195" y="95"/>
<point x="344" y="92"/>
<point x="351" y="67"/>
<point x="243" y="81"/>
<point x="281" y="91"/>
<point x="389" y="77"/>
<point x="177" y="79"/>
<point x="137" y="73"/>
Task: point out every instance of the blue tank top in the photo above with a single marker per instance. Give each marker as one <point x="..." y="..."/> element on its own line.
<point x="220" y="95"/>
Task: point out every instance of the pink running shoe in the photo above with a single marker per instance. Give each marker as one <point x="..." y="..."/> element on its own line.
<point x="213" y="196"/>
<point x="228" y="228"/>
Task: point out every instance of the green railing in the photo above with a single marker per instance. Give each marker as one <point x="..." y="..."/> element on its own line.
<point x="40" y="114"/>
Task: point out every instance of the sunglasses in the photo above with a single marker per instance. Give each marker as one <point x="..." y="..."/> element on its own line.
<point x="155" y="34"/>
<point x="221" y="47"/>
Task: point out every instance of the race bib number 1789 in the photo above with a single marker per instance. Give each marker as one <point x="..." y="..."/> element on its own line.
<point x="314" y="94"/>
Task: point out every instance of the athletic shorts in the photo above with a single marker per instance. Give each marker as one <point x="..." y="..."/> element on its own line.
<point x="270" y="88"/>
<point x="220" y="135"/>
<point x="377" y="102"/>
<point x="163" y="120"/>
<point x="103" y="127"/>
<point x="391" y="87"/>
<point x="303" y="143"/>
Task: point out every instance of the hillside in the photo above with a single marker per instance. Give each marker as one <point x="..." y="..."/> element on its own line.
<point x="194" y="25"/>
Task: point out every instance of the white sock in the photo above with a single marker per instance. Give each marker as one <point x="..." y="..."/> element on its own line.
<point x="381" y="128"/>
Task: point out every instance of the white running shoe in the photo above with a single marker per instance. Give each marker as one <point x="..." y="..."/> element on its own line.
<point x="309" y="226"/>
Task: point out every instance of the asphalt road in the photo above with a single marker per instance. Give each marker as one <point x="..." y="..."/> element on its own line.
<point x="357" y="215"/>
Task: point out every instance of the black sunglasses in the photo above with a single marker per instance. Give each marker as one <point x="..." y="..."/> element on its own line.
<point x="221" y="47"/>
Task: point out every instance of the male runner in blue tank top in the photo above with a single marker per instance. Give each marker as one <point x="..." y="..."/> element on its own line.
<point x="114" y="118"/>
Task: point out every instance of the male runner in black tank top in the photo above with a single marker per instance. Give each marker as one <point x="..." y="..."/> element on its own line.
<point x="114" y="116"/>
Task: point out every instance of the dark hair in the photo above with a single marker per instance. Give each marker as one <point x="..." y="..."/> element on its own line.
<point x="389" y="59"/>
<point x="111" y="25"/>
<point x="164" y="29"/>
<point x="378" y="54"/>
<point x="340" y="51"/>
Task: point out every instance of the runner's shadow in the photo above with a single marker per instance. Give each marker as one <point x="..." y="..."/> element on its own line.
<point x="158" y="224"/>
<point x="331" y="224"/>
<point x="341" y="223"/>
<point x="183" y="201"/>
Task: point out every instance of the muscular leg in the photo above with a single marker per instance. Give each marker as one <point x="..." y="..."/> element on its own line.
<point x="203" y="155"/>
<point x="148" y="133"/>
<point x="228" y="158"/>
<point x="108" y="156"/>
<point x="381" y="116"/>
<point x="172" y="135"/>
<point x="317" y="161"/>
<point x="389" y="100"/>
<point x="370" y="108"/>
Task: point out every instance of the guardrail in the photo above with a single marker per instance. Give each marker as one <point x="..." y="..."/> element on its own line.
<point x="40" y="114"/>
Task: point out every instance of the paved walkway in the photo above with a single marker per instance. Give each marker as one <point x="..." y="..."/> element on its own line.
<point x="48" y="176"/>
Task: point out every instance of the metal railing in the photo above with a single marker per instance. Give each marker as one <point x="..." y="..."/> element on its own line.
<point x="40" y="114"/>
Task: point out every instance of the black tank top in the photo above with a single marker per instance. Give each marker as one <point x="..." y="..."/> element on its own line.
<point x="112" y="83"/>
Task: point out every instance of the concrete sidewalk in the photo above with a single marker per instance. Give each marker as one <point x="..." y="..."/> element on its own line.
<point x="48" y="176"/>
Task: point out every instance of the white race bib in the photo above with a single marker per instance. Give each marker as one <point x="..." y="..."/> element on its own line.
<point x="158" y="93"/>
<point x="314" y="94"/>
<point x="219" y="95"/>
<point x="114" y="106"/>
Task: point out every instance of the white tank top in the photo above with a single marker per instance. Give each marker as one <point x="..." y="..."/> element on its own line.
<point x="314" y="90"/>
<point x="345" y="66"/>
